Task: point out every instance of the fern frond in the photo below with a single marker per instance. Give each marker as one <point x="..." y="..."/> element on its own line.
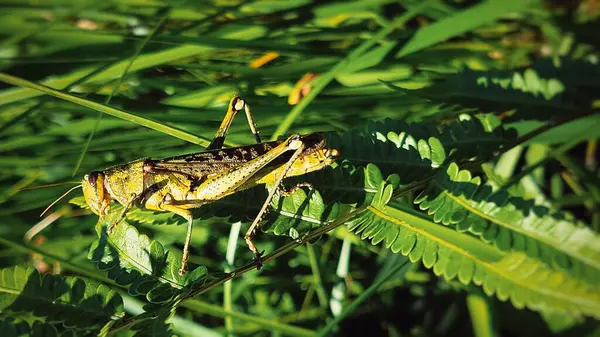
<point x="510" y="275"/>
<point x="153" y="322"/>
<point x="455" y="197"/>
<point x="8" y="328"/>
<point x="74" y="302"/>
<point x="502" y="89"/>
<point x="132" y="259"/>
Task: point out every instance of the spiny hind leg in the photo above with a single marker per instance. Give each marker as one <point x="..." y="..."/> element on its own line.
<point x="235" y="105"/>
<point x="289" y="191"/>
<point x="298" y="147"/>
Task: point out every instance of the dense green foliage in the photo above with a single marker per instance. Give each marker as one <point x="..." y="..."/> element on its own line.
<point x="466" y="199"/>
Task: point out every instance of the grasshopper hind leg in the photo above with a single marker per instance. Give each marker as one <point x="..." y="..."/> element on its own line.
<point x="296" y="145"/>
<point x="235" y="105"/>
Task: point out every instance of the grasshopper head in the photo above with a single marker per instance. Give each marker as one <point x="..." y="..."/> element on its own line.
<point x="94" y="193"/>
<point x="315" y="156"/>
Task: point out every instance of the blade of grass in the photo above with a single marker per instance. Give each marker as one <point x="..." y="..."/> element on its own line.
<point x="234" y="234"/>
<point x="322" y="81"/>
<point x="34" y="109"/>
<point x="26" y="181"/>
<point x="316" y="271"/>
<point x="363" y="297"/>
<point x="154" y="125"/>
<point x="136" y="53"/>
<point x="270" y="324"/>
<point x="145" y="61"/>
<point x="462" y="22"/>
<point x="338" y="293"/>
<point x="481" y="315"/>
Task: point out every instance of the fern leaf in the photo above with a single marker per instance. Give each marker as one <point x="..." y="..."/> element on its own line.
<point x="509" y="275"/>
<point x="503" y="90"/>
<point x="154" y="321"/>
<point x="73" y="301"/>
<point x="132" y="259"/>
<point x="455" y="197"/>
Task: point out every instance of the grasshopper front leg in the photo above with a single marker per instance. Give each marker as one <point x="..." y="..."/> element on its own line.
<point x="298" y="147"/>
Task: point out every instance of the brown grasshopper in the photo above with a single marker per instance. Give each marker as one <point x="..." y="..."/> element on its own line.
<point x="178" y="184"/>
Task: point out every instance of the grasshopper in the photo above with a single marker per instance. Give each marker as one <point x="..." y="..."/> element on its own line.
<point x="178" y="184"/>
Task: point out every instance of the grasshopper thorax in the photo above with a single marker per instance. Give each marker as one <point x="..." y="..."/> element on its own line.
<point x="94" y="192"/>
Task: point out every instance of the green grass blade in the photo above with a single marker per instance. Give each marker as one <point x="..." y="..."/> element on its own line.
<point x="462" y="22"/>
<point x="324" y="79"/>
<point x="480" y="311"/>
<point x="145" y="61"/>
<point x="136" y="53"/>
<point x="105" y="109"/>
<point x="403" y="266"/>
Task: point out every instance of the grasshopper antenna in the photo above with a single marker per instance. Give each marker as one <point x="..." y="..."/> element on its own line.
<point x="59" y="198"/>
<point x="49" y="185"/>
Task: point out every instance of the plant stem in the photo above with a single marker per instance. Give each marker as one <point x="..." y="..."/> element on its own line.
<point x="234" y="233"/>
<point x="273" y="325"/>
<point x="360" y="299"/>
<point x="316" y="272"/>
<point x="481" y="315"/>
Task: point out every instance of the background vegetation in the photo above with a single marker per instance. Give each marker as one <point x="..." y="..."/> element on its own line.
<point x="466" y="200"/>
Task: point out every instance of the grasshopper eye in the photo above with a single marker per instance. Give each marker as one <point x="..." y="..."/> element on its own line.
<point x="92" y="178"/>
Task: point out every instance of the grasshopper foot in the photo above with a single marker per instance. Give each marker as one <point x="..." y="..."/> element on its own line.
<point x="258" y="260"/>
<point x="257" y="254"/>
<point x="110" y="228"/>
<point x="287" y="192"/>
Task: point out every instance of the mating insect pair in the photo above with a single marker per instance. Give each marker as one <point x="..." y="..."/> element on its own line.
<point x="178" y="184"/>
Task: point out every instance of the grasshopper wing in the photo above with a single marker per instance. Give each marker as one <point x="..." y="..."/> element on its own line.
<point x="197" y="166"/>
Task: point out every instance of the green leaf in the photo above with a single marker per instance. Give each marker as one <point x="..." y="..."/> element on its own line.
<point x="510" y="275"/>
<point x="74" y="302"/>
<point x="106" y="109"/>
<point x="456" y="198"/>
<point x="132" y="259"/>
<point x="462" y="22"/>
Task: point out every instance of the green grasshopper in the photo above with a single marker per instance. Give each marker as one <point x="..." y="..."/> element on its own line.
<point x="178" y="184"/>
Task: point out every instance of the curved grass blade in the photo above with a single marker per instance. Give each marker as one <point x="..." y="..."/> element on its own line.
<point x="324" y="80"/>
<point x="154" y="125"/>
<point x="135" y="55"/>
